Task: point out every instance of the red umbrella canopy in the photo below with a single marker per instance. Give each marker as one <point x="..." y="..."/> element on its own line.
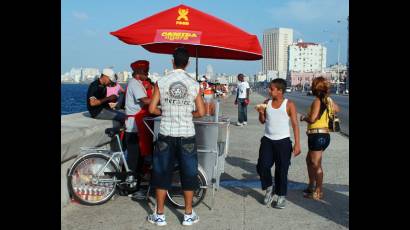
<point x="202" y="34"/>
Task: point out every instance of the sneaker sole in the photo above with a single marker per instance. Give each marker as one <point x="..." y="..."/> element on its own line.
<point x="193" y="222"/>
<point x="269" y="203"/>
<point x="153" y="222"/>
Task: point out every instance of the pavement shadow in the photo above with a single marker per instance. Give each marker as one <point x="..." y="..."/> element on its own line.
<point x="150" y="205"/>
<point x="244" y="164"/>
<point x="334" y="206"/>
<point x="145" y="204"/>
<point x="242" y="190"/>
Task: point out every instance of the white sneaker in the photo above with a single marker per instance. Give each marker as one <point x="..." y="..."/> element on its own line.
<point x="190" y="219"/>
<point x="239" y="124"/>
<point x="268" y="196"/>
<point x="280" y="202"/>
<point x="157" y="219"/>
<point x="245" y="123"/>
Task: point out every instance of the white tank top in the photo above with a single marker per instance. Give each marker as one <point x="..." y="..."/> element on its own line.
<point x="178" y="92"/>
<point x="277" y="122"/>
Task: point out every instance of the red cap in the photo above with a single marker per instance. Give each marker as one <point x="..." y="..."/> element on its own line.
<point x="140" y="65"/>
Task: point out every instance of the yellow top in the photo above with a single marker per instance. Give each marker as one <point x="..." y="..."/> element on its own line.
<point x="323" y="121"/>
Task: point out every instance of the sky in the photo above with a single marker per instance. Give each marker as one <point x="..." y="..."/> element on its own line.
<point x="86" y="24"/>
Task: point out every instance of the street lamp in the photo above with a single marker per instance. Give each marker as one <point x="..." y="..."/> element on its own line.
<point x="338" y="58"/>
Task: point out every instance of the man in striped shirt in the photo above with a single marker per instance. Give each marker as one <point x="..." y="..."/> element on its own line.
<point x="180" y="101"/>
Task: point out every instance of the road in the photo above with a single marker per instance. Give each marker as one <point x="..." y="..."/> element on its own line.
<point x="303" y="103"/>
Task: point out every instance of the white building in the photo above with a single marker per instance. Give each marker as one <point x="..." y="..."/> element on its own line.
<point x="260" y="77"/>
<point x="275" y="50"/>
<point x="75" y="74"/>
<point x="231" y="79"/>
<point x="209" y="72"/>
<point x="88" y="74"/>
<point x="307" y="57"/>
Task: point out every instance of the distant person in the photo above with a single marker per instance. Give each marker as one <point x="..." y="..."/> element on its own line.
<point x="135" y="99"/>
<point x="180" y="100"/>
<point x="209" y="95"/>
<point x="276" y="146"/>
<point x="242" y="100"/>
<point x="204" y="84"/>
<point x="97" y="100"/>
<point x="318" y="135"/>
<point x="115" y="89"/>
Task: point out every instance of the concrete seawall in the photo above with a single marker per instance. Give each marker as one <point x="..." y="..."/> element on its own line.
<point x="79" y="130"/>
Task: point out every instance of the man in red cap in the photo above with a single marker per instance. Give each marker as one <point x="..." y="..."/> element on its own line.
<point x="135" y="99"/>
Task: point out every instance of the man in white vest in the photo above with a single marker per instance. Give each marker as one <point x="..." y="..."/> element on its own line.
<point x="180" y="101"/>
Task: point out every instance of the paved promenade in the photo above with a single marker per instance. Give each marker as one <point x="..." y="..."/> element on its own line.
<point x="238" y="203"/>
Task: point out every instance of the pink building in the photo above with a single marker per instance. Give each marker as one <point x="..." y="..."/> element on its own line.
<point x="301" y="78"/>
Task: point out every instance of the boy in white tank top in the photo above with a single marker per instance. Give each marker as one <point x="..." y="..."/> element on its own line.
<point x="276" y="146"/>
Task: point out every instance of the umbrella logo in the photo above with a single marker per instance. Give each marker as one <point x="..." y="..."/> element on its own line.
<point x="183" y="15"/>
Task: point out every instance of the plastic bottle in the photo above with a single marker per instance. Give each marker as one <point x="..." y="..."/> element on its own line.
<point x="99" y="194"/>
<point x="90" y="194"/>
<point x="83" y="193"/>
<point x="95" y="192"/>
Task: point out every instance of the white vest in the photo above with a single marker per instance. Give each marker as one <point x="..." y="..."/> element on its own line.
<point x="277" y="122"/>
<point x="178" y="92"/>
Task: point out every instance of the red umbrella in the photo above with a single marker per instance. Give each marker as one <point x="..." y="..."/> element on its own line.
<point x="202" y="34"/>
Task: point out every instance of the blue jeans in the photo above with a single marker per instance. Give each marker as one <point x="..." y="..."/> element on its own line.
<point x="242" y="110"/>
<point x="167" y="149"/>
<point x="118" y="117"/>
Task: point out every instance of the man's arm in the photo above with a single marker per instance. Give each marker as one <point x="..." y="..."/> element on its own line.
<point x="237" y="94"/>
<point x="139" y="93"/>
<point x="97" y="102"/>
<point x="200" y="106"/>
<point x="262" y="115"/>
<point x="145" y="100"/>
<point x="295" y="126"/>
<point x="153" y="109"/>
<point x="248" y="92"/>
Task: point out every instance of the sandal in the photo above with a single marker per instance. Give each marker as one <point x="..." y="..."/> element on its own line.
<point x="315" y="195"/>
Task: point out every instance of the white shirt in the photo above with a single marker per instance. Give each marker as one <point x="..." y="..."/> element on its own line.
<point x="277" y="121"/>
<point x="242" y="86"/>
<point x="178" y="92"/>
<point x="133" y="104"/>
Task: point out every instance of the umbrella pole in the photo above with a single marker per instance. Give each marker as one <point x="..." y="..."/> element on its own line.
<point x="196" y="48"/>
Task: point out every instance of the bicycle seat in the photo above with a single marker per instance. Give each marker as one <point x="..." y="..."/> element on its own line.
<point x="111" y="132"/>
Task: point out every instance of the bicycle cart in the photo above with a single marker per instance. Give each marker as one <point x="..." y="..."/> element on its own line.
<point x="98" y="173"/>
<point x="212" y="139"/>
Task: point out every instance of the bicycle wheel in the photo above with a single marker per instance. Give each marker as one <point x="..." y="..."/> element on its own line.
<point x="86" y="186"/>
<point x="176" y="196"/>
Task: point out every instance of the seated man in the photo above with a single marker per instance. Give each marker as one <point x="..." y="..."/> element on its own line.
<point x="98" y="102"/>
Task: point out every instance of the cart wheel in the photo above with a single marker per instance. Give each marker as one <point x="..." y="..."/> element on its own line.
<point x="176" y="196"/>
<point x="84" y="184"/>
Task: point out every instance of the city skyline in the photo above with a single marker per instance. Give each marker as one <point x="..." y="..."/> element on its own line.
<point x="86" y="26"/>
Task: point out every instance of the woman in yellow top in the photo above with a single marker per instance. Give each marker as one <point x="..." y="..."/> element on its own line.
<point x="318" y="135"/>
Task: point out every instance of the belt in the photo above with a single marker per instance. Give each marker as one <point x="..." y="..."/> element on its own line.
<point x="320" y="130"/>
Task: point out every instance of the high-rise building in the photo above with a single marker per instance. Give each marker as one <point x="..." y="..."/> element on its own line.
<point x="209" y="72"/>
<point x="275" y="50"/>
<point x="307" y="57"/>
